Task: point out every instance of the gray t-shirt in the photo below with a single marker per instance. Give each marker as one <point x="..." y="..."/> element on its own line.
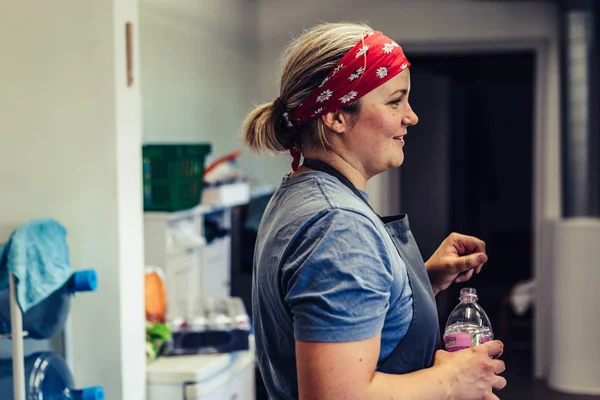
<point x="325" y="270"/>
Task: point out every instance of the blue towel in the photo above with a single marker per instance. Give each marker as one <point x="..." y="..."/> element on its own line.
<point x="38" y="255"/>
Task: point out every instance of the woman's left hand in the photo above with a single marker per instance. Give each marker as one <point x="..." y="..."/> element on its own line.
<point x="455" y="261"/>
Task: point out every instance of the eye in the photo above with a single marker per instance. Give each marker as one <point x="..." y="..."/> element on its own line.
<point x="397" y="101"/>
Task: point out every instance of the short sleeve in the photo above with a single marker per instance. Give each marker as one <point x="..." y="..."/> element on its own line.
<point x="337" y="279"/>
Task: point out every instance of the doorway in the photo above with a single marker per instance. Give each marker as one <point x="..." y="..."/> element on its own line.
<point x="469" y="168"/>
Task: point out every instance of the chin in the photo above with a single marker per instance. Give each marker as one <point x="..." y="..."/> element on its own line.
<point x="398" y="161"/>
<point x="394" y="164"/>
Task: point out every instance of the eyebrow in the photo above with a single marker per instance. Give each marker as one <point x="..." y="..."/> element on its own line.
<point x="403" y="91"/>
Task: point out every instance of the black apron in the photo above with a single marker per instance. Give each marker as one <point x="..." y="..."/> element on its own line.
<point x="417" y="349"/>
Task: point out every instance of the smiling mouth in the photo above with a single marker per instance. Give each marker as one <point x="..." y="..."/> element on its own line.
<point x="401" y="138"/>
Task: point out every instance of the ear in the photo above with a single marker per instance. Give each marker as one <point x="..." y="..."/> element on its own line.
<point x="336" y="121"/>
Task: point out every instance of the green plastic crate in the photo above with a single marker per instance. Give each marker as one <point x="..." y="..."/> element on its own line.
<point x="173" y="175"/>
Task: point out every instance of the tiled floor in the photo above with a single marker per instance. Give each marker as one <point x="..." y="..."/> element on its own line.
<point x="520" y="385"/>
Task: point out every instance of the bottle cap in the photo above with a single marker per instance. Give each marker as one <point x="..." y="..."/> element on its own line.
<point x="92" y="393"/>
<point x="468" y="292"/>
<point x="84" y="281"/>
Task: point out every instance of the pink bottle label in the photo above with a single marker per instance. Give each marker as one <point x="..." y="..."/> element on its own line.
<point x="458" y="341"/>
<point x="461" y="341"/>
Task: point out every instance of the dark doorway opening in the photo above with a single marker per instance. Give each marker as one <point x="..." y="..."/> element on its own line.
<point x="469" y="168"/>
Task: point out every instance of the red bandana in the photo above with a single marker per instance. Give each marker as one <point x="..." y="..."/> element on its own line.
<point x="373" y="61"/>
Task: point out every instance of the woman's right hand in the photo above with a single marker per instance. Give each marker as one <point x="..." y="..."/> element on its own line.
<point x="473" y="371"/>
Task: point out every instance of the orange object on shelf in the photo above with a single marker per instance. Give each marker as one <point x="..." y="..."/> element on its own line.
<point x="226" y="158"/>
<point x="156" y="295"/>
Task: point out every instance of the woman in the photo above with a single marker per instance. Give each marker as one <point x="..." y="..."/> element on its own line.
<point x="343" y="304"/>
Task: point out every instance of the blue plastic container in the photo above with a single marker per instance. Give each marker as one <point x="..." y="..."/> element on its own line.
<point x="47" y="319"/>
<point x="47" y="377"/>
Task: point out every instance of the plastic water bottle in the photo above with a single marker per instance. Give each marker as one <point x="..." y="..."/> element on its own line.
<point x="46" y="319"/>
<point x="47" y="377"/>
<point x="468" y="325"/>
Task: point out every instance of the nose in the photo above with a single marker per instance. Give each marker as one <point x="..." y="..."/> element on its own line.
<point x="410" y="119"/>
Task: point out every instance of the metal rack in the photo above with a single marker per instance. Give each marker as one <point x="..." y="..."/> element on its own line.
<point x="17" y="334"/>
<point x="84" y="282"/>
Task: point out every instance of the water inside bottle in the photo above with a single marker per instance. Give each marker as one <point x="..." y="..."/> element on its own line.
<point x="468" y="325"/>
<point x="461" y="336"/>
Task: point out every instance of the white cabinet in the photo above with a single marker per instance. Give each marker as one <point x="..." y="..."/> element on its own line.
<point x="194" y="269"/>
<point x="240" y="387"/>
<point x="183" y="281"/>
<point x="216" y="269"/>
<point x="229" y="376"/>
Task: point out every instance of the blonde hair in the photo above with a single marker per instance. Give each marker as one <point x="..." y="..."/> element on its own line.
<point x="306" y="62"/>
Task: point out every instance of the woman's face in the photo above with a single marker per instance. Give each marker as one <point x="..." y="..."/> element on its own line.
<point x="376" y="141"/>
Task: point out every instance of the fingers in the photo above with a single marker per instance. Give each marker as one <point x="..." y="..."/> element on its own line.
<point x="471" y="261"/>
<point x="499" y="383"/>
<point x="464" y="276"/>
<point x="469" y="243"/>
<point x="499" y="366"/>
<point x="479" y="245"/>
<point x="494" y="348"/>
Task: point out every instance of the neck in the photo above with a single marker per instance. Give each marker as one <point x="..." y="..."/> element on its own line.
<point x="341" y="165"/>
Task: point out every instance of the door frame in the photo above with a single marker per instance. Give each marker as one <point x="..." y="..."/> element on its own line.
<point x="544" y="207"/>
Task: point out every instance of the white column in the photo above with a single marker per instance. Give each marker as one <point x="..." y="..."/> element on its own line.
<point x="575" y="318"/>
<point x="70" y="149"/>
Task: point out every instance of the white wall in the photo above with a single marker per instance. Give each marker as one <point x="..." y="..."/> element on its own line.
<point x="437" y="24"/>
<point x="198" y="69"/>
<point x="70" y="150"/>
<point x="130" y="266"/>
